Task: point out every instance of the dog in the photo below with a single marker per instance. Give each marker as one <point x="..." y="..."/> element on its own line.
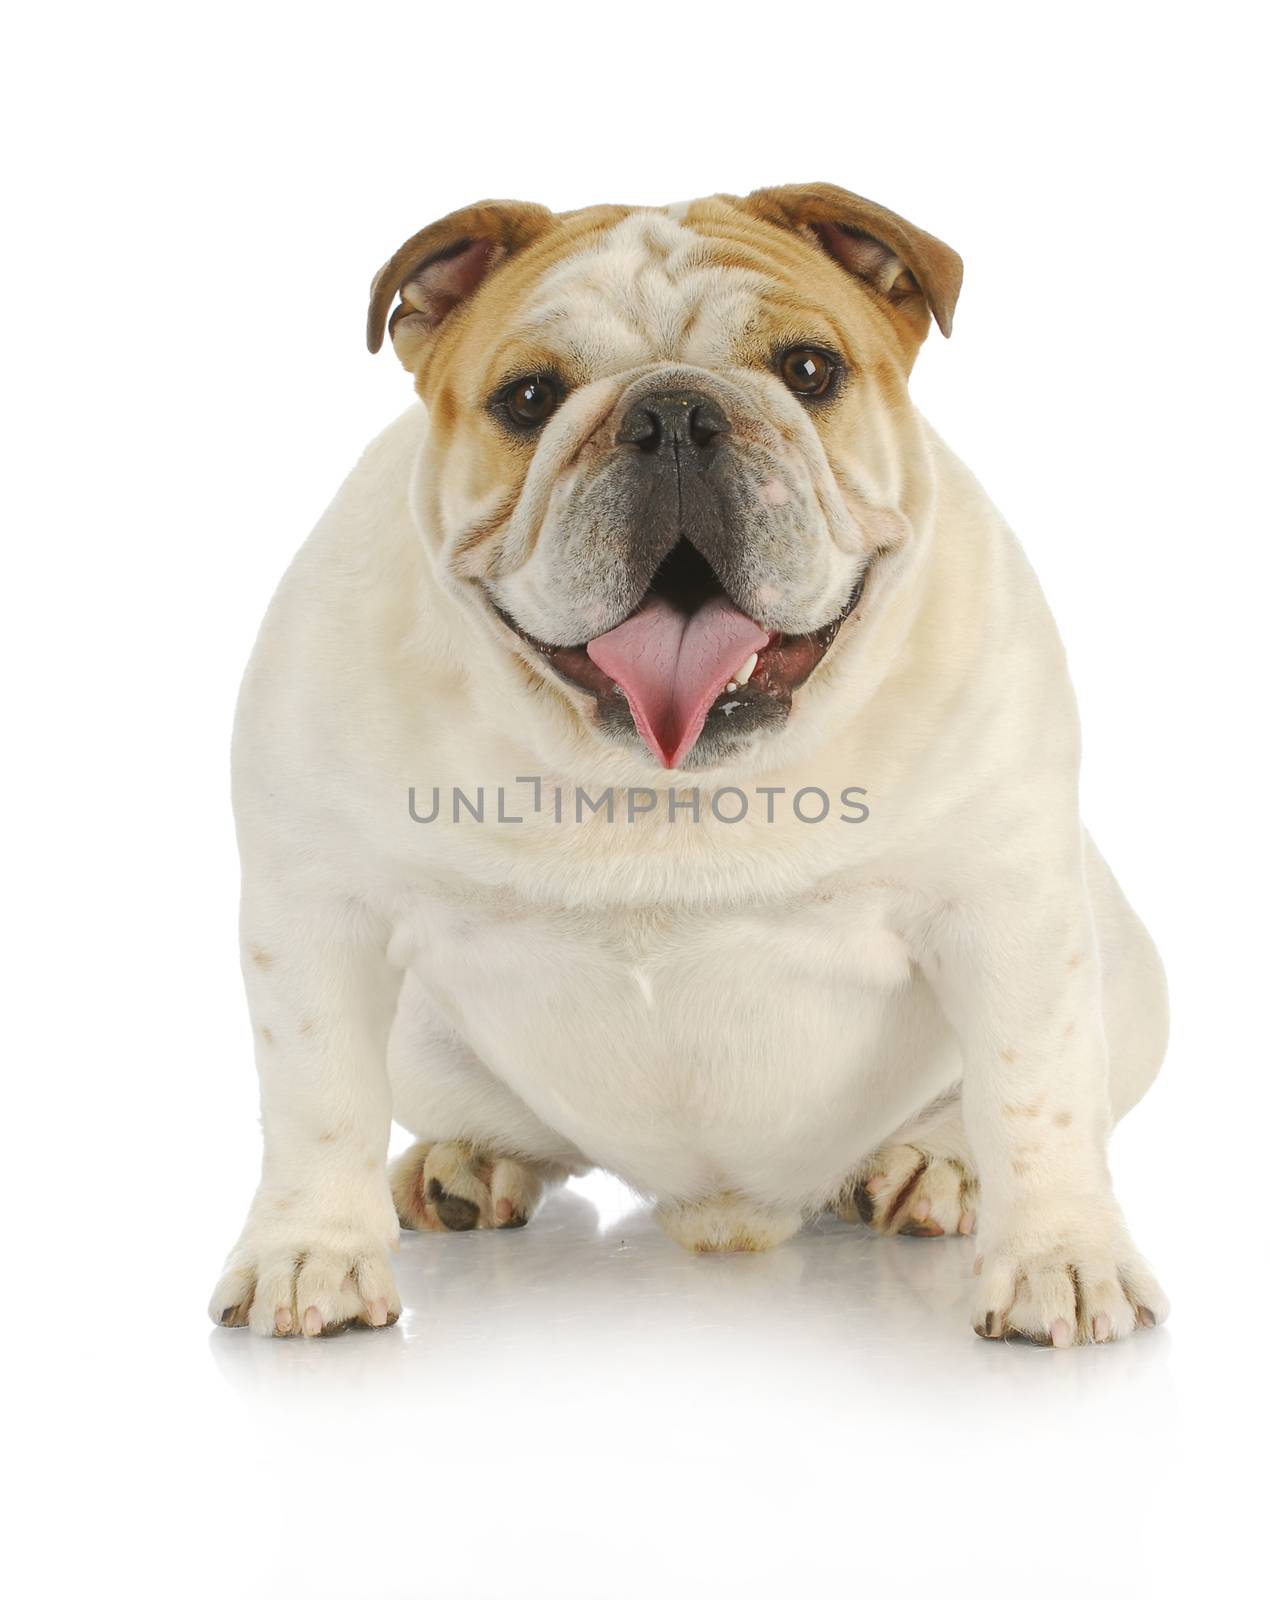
<point x="664" y="559"/>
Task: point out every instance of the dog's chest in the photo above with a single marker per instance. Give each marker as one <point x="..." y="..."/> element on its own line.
<point x="667" y="1045"/>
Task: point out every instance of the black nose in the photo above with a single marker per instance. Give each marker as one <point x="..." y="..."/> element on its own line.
<point x="679" y="422"/>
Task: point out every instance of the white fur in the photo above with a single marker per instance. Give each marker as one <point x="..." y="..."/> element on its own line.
<point x="710" y="1011"/>
<point x="644" y="291"/>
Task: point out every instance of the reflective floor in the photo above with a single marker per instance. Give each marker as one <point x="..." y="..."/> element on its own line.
<point x="583" y="1409"/>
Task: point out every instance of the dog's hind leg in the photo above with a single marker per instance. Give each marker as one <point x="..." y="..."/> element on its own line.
<point x="1135" y="1004"/>
<point x="483" y="1159"/>
<point x="921" y="1182"/>
<point x="451" y="1186"/>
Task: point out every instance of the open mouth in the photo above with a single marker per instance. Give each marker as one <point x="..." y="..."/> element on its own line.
<point x="687" y="656"/>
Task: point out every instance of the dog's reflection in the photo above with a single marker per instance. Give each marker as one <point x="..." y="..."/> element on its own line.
<point x="587" y="1303"/>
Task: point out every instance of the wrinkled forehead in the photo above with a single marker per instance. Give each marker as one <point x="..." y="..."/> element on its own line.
<point x="648" y="289"/>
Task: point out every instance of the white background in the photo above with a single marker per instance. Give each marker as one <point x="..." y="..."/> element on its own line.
<point x="197" y="198"/>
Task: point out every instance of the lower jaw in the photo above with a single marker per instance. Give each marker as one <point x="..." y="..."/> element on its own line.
<point x="730" y="728"/>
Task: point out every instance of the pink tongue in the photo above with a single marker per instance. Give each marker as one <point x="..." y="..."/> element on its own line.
<point x="672" y="667"/>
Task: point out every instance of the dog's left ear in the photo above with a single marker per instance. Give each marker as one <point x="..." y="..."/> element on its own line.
<point x="441" y="266"/>
<point x="912" y="272"/>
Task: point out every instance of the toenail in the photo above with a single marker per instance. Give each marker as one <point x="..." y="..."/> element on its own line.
<point x="1102" y="1327"/>
<point x="312" y="1321"/>
<point x="282" y="1319"/>
<point x="1060" y="1333"/>
<point x="921" y="1211"/>
<point x="503" y="1210"/>
<point x="967" y="1223"/>
<point x="377" y="1313"/>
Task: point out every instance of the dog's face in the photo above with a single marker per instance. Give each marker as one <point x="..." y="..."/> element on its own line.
<point x="667" y="446"/>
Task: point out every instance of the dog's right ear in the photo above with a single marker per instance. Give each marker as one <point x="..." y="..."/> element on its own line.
<point x="441" y="266"/>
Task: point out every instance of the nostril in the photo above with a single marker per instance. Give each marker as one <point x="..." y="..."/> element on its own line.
<point x="641" y="428"/>
<point x="649" y="431"/>
<point x="705" y="423"/>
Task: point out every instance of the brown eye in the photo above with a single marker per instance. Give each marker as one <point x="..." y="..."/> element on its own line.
<point x="530" y="401"/>
<point x="807" y="372"/>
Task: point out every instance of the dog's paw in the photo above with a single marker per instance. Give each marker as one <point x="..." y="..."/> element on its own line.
<point x="451" y="1187"/>
<point x="315" y="1282"/>
<point x="1065" y="1291"/>
<point x="911" y="1190"/>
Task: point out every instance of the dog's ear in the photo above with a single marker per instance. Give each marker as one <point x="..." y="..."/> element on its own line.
<point x="442" y="265"/>
<point x="913" y="273"/>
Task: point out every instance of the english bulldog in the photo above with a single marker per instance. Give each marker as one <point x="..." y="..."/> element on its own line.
<point x="529" y="767"/>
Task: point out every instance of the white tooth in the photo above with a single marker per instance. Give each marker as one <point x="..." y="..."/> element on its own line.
<point x="731" y="687"/>
<point x="744" y="675"/>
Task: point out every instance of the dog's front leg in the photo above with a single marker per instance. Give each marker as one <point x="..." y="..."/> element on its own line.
<point x="1019" y="976"/>
<point x="314" y="1253"/>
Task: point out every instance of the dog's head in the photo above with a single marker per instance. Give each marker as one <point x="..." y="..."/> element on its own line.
<point x="667" y="448"/>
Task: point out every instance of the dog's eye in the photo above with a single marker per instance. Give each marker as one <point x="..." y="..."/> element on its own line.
<point x="807" y="372"/>
<point x="530" y="401"/>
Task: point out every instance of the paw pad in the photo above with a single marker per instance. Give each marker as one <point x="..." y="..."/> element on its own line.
<point x="452" y="1187"/>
